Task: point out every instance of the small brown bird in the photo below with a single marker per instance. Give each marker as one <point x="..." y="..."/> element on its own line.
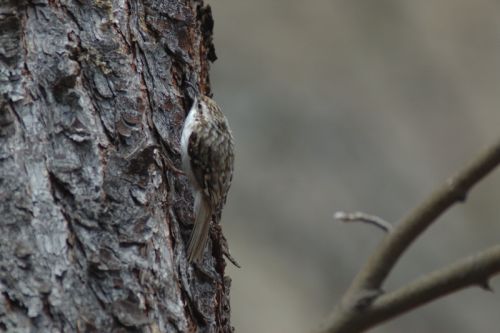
<point x="208" y="161"/>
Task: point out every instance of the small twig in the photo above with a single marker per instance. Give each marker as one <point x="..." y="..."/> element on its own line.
<point x="349" y="317"/>
<point x="385" y="256"/>
<point x="365" y="218"/>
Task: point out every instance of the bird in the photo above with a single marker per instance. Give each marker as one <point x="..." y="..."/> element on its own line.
<point x="207" y="151"/>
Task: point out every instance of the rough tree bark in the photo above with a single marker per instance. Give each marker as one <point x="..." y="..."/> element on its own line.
<point x="94" y="219"/>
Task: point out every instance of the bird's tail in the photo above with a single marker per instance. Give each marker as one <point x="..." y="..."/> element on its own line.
<point x="199" y="235"/>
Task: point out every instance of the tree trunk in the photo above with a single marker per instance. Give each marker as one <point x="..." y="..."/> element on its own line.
<point x="94" y="217"/>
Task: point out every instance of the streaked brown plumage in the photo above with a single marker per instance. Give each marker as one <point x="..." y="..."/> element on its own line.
<point x="208" y="161"/>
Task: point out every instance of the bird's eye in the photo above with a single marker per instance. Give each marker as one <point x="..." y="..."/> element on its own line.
<point x="199" y="105"/>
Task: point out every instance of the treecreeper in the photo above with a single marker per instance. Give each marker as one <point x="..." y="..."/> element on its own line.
<point x="207" y="151"/>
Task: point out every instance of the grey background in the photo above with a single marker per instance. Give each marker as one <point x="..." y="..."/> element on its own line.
<point x="354" y="105"/>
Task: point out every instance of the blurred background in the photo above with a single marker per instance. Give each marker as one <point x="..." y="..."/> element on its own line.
<point x="354" y="105"/>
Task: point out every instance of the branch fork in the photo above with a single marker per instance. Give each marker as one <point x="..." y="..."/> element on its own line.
<point x="364" y="305"/>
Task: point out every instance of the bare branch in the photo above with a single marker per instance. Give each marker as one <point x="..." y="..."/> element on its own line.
<point x="356" y="312"/>
<point x="455" y="189"/>
<point x="475" y="270"/>
<point x="365" y="218"/>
